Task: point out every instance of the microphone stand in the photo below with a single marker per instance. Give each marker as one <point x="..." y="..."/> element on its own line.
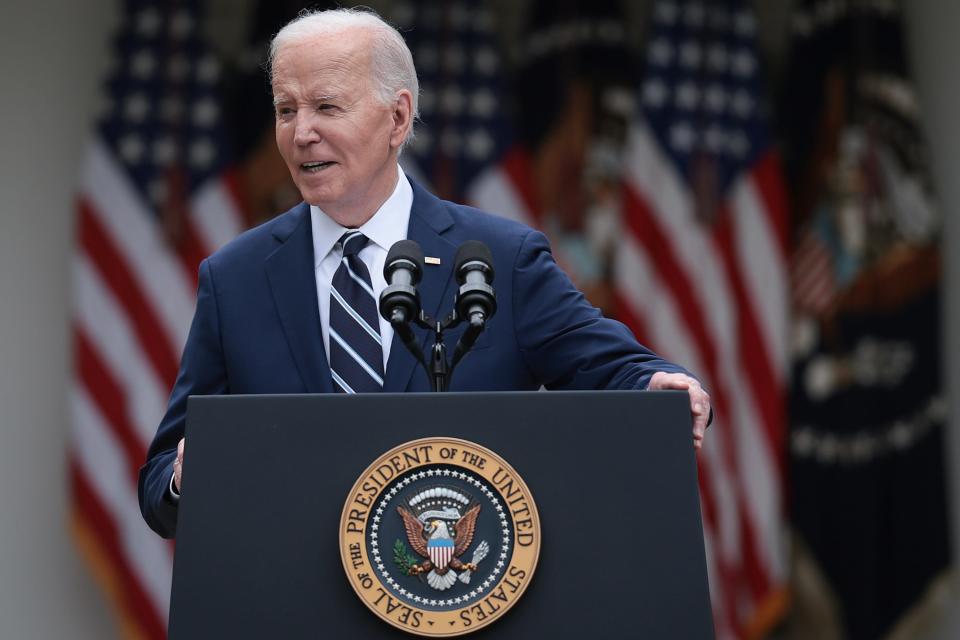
<point x="439" y="371"/>
<point x="475" y="302"/>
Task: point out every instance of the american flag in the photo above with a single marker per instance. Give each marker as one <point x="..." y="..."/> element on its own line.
<point x="812" y="281"/>
<point x="156" y="196"/>
<point x="701" y="271"/>
<point x="464" y="149"/>
<point x="702" y="277"/>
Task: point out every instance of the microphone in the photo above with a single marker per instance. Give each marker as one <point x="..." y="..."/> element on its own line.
<point x="473" y="266"/>
<point x="400" y="301"/>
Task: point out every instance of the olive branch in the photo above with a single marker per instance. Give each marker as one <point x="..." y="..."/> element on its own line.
<point x="402" y="558"/>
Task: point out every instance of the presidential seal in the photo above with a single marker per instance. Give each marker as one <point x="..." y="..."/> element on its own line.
<point x="439" y="537"/>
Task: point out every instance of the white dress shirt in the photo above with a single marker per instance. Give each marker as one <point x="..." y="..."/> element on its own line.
<point x="387" y="226"/>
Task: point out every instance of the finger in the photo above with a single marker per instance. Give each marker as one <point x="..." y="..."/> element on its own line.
<point x="677" y="382"/>
<point x="699" y="397"/>
<point x="700" y="408"/>
<point x="699" y="404"/>
<point x="700" y="426"/>
<point x="663" y="380"/>
<point x="699" y="400"/>
<point x="178" y="464"/>
<point x="697" y="434"/>
<point x="704" y="411"/>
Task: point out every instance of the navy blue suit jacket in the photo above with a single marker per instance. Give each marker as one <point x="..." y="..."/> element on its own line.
<point x="257" y="326"/>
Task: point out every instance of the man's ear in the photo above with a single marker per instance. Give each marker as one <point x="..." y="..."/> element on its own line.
<point x="402" y="115"/>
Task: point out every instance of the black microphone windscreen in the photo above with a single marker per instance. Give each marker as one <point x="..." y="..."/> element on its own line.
<point x="473" y="251"/>
<point x="404" y="250"/>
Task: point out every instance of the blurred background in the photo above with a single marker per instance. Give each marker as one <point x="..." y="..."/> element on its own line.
<point x="760" y="190"/>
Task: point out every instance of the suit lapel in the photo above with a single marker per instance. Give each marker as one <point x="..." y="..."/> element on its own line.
<point x="428" y="221"/>
<point x="290" y="271"/>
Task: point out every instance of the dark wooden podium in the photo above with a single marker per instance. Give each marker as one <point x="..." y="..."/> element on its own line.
<point x="613" y="475"/>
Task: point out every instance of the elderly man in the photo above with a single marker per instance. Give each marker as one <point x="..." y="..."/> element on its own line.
<point x="275" y="306"/>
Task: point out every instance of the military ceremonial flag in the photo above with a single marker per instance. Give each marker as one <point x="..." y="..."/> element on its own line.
<point x="156" y="196"/>
<point x="867" y="403"/>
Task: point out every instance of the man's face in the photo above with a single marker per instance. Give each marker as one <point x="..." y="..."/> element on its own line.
<point x="338" y="140"/>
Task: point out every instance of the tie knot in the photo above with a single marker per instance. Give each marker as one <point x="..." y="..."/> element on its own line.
<point x="352" y="242"/>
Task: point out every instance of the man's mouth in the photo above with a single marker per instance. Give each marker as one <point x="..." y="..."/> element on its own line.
<point x="314" y="167"/>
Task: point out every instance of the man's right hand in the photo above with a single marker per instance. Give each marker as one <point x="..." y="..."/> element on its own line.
<point x="178" y="465"/>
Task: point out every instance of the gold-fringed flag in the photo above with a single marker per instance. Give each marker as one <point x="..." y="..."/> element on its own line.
<point x="868" y="404"/>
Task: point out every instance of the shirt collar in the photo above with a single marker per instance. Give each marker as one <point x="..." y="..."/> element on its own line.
<point x="387" y="226"/>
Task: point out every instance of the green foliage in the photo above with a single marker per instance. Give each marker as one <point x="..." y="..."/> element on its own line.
<point x="402" y="558"/>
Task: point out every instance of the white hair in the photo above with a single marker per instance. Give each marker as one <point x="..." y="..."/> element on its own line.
<point x="391" y="63"/>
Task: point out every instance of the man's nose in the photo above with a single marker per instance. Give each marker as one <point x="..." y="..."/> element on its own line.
<point x="306" y="131"/>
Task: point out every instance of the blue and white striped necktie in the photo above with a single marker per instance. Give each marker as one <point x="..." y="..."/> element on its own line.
<point x="356" y="350"/>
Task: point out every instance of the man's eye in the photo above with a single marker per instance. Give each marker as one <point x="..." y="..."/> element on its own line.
<point x="284" y="112"/>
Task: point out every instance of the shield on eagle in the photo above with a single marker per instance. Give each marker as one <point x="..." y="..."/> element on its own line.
<point x="441" y="551"/>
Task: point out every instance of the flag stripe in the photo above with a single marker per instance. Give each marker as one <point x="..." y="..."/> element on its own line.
<point x="722" y="576"/>
<point x="518" y="167"/>
<point x="703" y="203"/>
<point x="696" y="260"/>
<point x="659" y="245"/>
<point x="494" y="190"/>
<point x="115" y="272"/>
<point x="719" y="585"/>
<point x="135" y="233"/>
<point x="767" y="179"/>
<point x="105" y="573"/>
<point x="709" y="283"/>
<point x="102" y="462"/>
<point x="215" y="216"/>
<point x="662" y="328"/>
<point x="764" y="271"/>
<point x="653" y="316"/>
<point x="624" y="312"/>
<point x="101" y="319"/>
<point x="762" y="457"/>
<point x="233" y="182"/>
<point x="109" y="398"/>
<point x="191" y="251"/>
<point x="156" y="196"/>
<point x="759" y="370"/>
<point x="134" y="599"/>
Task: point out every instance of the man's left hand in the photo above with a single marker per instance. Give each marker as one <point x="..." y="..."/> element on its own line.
<point x="699" y="399"/>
